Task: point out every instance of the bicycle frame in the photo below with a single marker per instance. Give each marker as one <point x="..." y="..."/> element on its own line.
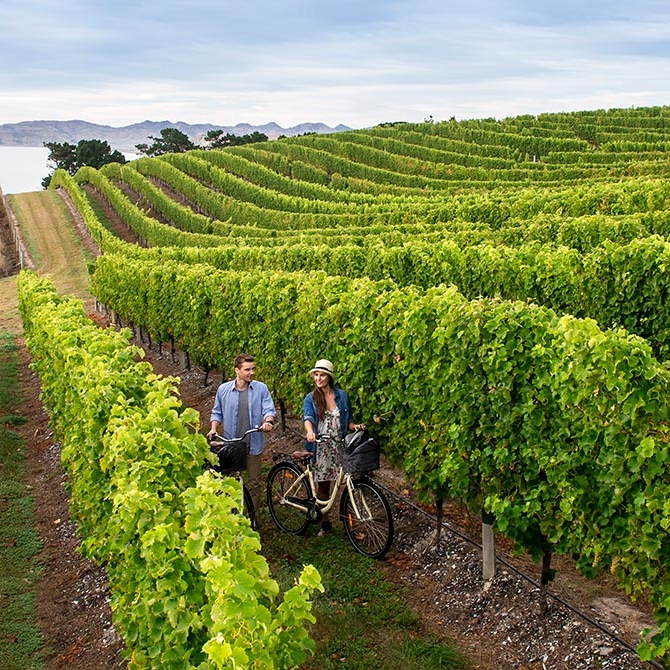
<point x="294" y="504"/>
<point x="324" y="505"/>
<point x="237" y="475"/>
<point x="219" y="441"/>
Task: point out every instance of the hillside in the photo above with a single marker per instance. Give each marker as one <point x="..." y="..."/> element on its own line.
<point x="78" y="630"/>
<point x="125" y="138"/>
<point x="493" y="292"/>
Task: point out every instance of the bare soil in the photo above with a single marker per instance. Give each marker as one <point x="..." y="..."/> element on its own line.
<point x="9" y="256"/>
<point x="496" y="624"/>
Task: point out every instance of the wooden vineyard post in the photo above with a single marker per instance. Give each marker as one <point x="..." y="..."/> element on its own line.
<point x="488" y="547"/>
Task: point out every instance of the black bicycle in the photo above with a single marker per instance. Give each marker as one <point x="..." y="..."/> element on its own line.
<point x="232" y="454"/>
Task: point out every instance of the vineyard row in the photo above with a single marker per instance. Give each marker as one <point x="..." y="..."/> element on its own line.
<point x="619" y="285"/>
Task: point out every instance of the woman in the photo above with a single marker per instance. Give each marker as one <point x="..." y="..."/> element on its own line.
<point x="326" y="410"/>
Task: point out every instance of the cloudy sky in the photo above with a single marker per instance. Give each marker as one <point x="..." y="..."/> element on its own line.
<point x="356" y="62"/>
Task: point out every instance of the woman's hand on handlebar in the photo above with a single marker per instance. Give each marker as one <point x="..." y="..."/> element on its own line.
<point x="310" y="436"/>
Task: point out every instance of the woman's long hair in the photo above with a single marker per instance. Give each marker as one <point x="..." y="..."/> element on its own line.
<point x="320" y="398"/>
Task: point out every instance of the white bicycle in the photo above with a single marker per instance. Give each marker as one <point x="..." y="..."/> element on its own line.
<point x="364" y="510"/>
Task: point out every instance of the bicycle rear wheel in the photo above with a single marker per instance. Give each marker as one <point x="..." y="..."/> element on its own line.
<point x="370" y="531"/>
<point x="284" y="494"/>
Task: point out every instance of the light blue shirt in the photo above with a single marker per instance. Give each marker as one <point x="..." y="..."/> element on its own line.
<point x="226" y="404"/>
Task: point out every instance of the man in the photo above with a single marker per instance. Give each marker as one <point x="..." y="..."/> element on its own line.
<point x="241" y="404"/>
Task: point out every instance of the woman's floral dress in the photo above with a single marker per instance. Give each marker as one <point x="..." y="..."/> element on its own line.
<point x="328" y="453"/>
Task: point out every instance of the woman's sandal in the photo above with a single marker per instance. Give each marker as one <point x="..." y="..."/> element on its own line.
<point x="326" y="527"/>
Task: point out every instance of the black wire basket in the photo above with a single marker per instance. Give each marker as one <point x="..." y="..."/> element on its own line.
<point x="362" y="458"/>
<point x="232" y="457"/>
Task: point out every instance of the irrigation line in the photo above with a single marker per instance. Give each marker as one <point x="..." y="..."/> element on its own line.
<point x="506" y="563"/>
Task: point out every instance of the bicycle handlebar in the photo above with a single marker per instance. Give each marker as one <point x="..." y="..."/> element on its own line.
<point x="216" y="440"/>
<point x="324" y="437"/>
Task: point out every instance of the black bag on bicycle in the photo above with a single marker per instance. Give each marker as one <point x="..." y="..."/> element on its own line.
<point x="361" y="452"/>
<point x="232" y="457"/>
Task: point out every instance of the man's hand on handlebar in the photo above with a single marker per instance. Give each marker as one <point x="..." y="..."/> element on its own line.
<point x="267" y="425"/>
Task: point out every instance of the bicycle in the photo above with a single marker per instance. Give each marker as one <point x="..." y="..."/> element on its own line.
<point x="364" y="510"/>
<point x="232" y="455"/>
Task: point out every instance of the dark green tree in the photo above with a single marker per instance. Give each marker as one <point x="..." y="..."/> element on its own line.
<point x="97" y="153"/>
<point x="171" y="141"/>
<point x="70" y="157"/>
<point x="62" y="156"/>
<point x="215" y="139"/>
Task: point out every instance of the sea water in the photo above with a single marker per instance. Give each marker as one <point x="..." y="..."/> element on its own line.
<point x="23" y="168"/>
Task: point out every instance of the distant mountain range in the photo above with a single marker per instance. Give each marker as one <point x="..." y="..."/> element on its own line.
<point x="35" y="133"/>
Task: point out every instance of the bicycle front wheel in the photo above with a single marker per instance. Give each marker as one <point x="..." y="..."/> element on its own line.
<point x="249" y="509"/>
<point x="288" y="498"/>
<point x="367" y="519"/>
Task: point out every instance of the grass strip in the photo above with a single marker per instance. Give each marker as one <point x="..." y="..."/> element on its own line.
<point x="101" y="214"/>
<point x="20" y="639"/>
<point x="362" y="619"/>
<point x="28" y="240"/>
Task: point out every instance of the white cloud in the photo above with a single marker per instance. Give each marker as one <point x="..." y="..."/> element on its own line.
<point x="291" y="61"/>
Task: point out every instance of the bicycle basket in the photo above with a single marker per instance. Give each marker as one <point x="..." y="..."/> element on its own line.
<point x="362" y="458"/>
<point x="232" y="457"/>
<point x="355" y="439"/>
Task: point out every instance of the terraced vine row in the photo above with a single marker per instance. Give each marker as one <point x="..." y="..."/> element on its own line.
<point x="343" y="246"/>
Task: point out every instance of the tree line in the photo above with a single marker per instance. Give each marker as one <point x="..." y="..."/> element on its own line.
<point x="96" y="153"/>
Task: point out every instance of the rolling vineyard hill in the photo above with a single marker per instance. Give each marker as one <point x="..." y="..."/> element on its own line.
<point x="495" y="294"/>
